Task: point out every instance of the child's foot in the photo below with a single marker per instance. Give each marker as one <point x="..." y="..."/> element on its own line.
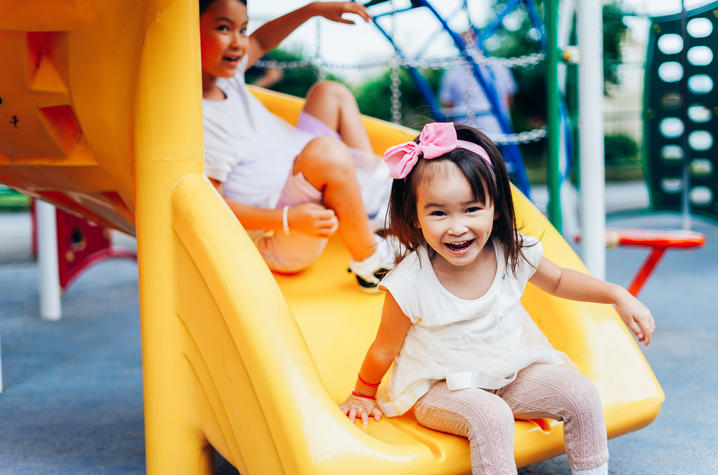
<point x="371" y="270"/>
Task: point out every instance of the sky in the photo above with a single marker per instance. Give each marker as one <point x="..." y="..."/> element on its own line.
<point x="362" y="43"/>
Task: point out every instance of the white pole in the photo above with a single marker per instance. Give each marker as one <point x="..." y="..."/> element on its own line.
<point x="590" y="126"/>
<point x="47" y="262"/>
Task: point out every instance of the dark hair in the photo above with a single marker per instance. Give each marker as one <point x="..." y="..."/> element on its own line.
<point x="204" y="4"/>
<point x="489" y="183"/>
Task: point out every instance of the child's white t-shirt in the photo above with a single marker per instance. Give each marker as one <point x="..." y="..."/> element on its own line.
<point x="480" y="343"/>
<point x="246" y="147"/>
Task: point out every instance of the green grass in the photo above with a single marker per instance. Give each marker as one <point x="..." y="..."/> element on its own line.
<point x="11" y="200"/>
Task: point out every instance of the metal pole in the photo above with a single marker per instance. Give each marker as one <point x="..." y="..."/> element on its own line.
<point x="553" y="172"/>
<point x="50" y="308"/>
<point x="590" y="121"/>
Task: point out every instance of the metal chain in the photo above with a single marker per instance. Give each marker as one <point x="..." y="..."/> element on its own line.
<point x="318" y="62"/>
<point x="469" y="80"/>
<point x="395" y="79"/>
<point x="395" y="93"/>
<point x="437" y="63"/>
<point x="522" y="137"/>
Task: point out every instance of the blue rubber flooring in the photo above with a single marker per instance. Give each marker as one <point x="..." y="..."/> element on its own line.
<point x="72" y="400"/>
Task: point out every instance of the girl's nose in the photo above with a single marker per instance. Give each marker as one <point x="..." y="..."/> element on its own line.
<point x="457" y="227"/>
<point x="241" y="41"/>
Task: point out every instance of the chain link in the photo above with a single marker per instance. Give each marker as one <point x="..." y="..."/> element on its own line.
<point x="395" y="93"/>
<point x="396" y="62"/>
<point x="522" y="137"/>
<point x="438" y="63"/>
<point x="317" y="61"/>
<point x="394" y="75"/>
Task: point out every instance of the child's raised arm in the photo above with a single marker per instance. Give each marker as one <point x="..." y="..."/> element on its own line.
<point x="387" y="345"/>
<point x="574" y="285"/>
<point x="269" y="35"/>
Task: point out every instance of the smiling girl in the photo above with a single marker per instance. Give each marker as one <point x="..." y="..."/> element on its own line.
<point x="467" y="356"/>
<point x="291" y="188"/>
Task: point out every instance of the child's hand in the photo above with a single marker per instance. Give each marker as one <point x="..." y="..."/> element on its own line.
<point x="312" y="219"/>
<point x="355" y="407"/>
<point x="637" y="317"/>
<point x="334" y="10"/>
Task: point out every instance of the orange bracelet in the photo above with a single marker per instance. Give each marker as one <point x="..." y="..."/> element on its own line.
<point x="364" y="396"/>
<point x="371" y="385"/>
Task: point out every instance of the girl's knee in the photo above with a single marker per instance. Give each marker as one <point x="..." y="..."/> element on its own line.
<point x="324" y="155"/>
<point x="489" y="413"/>
<point x="582" y="396"/>
<point x="331" y="90"/>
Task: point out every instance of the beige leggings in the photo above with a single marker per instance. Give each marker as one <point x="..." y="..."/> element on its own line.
<point x="487" y="417"/>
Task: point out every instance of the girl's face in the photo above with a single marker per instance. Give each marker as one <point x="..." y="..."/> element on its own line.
<point x="452" y="222"/>
<point x="223" y="38"/>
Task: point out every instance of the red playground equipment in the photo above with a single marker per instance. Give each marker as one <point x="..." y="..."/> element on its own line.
<point x="658" y="241"/>
<point x="80" y="244"/>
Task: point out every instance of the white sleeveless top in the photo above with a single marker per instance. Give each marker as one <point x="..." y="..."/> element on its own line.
<point x="480" y="343"/>
<point x="246" y="147"/>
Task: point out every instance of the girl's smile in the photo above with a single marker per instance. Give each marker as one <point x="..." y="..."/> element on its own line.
<point x="224" y="42"/>
<point x="452" y="221"/>
<point x="459" y="247"/>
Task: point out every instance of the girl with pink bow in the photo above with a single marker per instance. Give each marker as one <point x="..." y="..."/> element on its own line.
<point x="466" y="355"/>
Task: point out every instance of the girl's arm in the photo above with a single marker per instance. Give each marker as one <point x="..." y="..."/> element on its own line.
<point x="574" y="285"/>
<point x="269" y="35"/>
<point x="387" y="345"/>
<point x="311" y="219"/>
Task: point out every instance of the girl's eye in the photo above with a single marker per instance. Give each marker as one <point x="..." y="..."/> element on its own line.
<point x="243" y="31"/>
<point x="437" y="213"/>
<point x="223" y="28"/>
<point x="473" y="209"/>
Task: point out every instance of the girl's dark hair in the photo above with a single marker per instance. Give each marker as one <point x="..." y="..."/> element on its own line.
<point x="490" y="184"/>
<point x="204" y="4"/>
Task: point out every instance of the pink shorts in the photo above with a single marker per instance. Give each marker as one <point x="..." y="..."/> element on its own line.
<point x="294" y="252"/>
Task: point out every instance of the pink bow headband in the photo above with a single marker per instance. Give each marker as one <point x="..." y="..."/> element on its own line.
<point x="436" y="139"/>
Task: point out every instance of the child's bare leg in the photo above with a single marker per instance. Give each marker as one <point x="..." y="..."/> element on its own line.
<point x="328" y="165"/>
<point x="333" y="104"/>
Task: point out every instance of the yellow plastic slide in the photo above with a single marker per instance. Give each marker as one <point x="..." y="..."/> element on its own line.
<point x="101" y="115"/>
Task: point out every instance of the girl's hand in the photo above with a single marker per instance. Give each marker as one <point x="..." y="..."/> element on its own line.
<point x="637" y="317"/>
<point x="313" y="220"/>
<point x="356" y="406"/>
<point x="334" y="10"/>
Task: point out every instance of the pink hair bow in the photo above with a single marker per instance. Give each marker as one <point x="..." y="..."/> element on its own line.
<point x="435" y="140"/>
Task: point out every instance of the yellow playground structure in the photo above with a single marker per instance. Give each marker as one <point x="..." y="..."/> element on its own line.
<point x="101" y="114"/>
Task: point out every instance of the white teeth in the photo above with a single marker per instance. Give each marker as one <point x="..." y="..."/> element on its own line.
<point x="457" y="246"/>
